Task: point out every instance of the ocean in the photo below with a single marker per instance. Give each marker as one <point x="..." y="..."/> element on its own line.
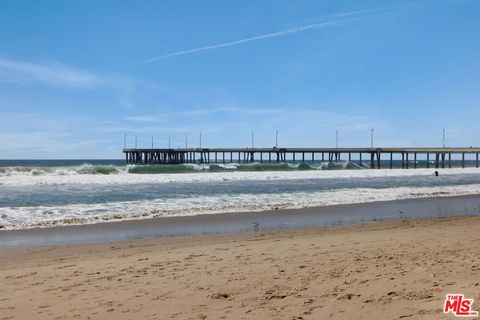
<point x="39" y="193"/>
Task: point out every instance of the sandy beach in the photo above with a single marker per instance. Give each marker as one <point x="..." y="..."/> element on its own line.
<point x="385" y="270"/>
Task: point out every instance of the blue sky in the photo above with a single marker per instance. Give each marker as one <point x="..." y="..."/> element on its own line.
<point x="76" y="76"/>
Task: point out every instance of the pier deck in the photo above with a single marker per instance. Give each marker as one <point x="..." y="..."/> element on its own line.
<point x="373" y="157"/>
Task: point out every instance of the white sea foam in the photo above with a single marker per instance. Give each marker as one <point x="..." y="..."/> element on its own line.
<point x="40" y="216"/>
<point x="32" y="216"/>
<point x="126" y="178"/>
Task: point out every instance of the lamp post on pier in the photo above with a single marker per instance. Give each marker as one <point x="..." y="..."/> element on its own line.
<point x="371" y="138"/>
<point x="336" y="136"/>
<point x="444" y="137"/>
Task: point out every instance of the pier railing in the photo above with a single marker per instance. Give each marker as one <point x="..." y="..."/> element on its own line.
<point x="371" y="157"/>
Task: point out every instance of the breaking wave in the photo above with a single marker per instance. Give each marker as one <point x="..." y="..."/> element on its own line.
<point x="222" y="167"/>
<point x="107" y="169"/>
<point x="67" y="170"/>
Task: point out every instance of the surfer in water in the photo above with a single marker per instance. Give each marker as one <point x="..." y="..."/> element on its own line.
<point x="435" y="173"/>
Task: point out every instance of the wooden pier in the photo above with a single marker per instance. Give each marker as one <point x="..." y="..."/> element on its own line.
<point x="369" y="157"/>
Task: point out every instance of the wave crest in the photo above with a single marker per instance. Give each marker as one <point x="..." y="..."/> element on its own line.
<point x="67" y="170"/>
<point x="108" y="169"/>
<point x="254" y="166"/>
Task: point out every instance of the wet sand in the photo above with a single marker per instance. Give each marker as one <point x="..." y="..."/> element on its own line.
<point x="386" y="270"/>
<point x="282" y="219"/>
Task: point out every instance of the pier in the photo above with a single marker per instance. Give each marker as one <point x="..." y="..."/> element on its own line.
<point x="373" y="158"/>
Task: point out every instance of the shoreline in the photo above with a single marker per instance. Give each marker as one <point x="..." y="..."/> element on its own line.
<point x="263" y="221"/>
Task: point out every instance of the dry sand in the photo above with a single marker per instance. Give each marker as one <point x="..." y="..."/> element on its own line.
<point x="388" y="270"/>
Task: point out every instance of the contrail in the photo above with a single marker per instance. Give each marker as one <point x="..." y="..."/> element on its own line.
<point x="340" y="19"/>
<point x="335" y="20"/>
<point x="237" y="42"/>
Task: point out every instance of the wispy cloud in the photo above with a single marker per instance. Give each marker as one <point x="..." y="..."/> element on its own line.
<point x="160" y="116"/>
<point x="235" y="110"/>
<point x="39" y="145"/>
<point x="60" y="75"/>
<point x="142" y="118"/>
<point x="52" y="73"/>
<point x="336" y="20"/>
